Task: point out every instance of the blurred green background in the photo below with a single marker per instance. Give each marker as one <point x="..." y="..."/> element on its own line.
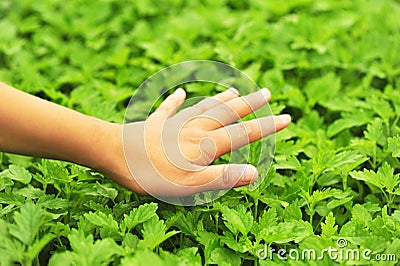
<point x="80" y="53"/>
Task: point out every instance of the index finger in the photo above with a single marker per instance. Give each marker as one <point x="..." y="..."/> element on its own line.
<point x="231" y="111"/>
<point x="207" y="104"/>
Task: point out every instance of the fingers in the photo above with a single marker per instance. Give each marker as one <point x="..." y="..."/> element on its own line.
<point x="235" y="136"/>
<point x="170" y="105"/>
<point x="233" y="110"/>
<point x="207" y="104"/>
<point x="225" y="176"/>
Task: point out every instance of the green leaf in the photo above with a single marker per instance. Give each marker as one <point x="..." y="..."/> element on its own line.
<point x="139" y="215"/>
<point x="138" y="259"/>
<point x="190" y="256"/>
<point x="286" y="232"/>
<point x="368" y="176"/>
<point x="28" y="222"/>
<point x="223" y="256"/>
<point x="130" y="240"/>
<point x="389" y="179"/>
<point x="394" y="146"/>
<point x="242" y="245"/>
<point x="209" y="246"/>
<point x="322" y="88"/>
<point x="374" y="130"/>
<point x="348" y="121"/>
<point x="381" y="107"/>
<point x="61" y="259"/>
<point x="11" y="250"/>
<point x="268" y="218"/>
<point x="360" y="215"/>
<point x="17" y="173"/>
<point x="102" y="220"/>
<point x="239" y="219"/>
<point x="34" y="250"/>
<point x="383" y="179"/>
<point x="5" y="182"/>
<point x="329" y="228"/>
<point x="31" y="192"/>
<point x="292" y="212"/>
<point x="107" y="192"/>
<point x="119" y="57"/>
<point x="154" y="233"/>
<point x="51" y="202"/>
<point x="85" y="252"/>
<point x="186" y="222"/>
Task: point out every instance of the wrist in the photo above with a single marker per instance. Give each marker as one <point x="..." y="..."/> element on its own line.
<point x="109" y="158"/>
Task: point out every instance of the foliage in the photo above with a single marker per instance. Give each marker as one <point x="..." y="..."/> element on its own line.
<point x="333" y="65"/>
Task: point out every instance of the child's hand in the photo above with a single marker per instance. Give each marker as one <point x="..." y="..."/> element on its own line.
<point x="169" y="154"/>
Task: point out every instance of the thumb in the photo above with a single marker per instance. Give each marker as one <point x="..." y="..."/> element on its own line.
<point x="226" y="176"/>
<point x="171" y="104"/>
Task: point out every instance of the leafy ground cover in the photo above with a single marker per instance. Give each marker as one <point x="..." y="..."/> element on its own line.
<point x="333" y="65"/>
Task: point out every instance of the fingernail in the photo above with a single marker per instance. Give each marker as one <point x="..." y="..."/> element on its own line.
<point x="250" y="175"/>
<point x="233" y="90"/>
<point x="180" y="92"/>
<point x="266" y="93"/>
<point x="285" y="118"/>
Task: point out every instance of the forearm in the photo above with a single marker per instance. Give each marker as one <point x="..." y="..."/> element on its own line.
<point x="32" y="126"/>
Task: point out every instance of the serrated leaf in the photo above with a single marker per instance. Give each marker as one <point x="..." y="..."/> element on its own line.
<point x="317" y="89"/>
<point x="242" y="245"/>
<point x="5" y="182"/>
<point x="374" y="130"/>
<point x="107" y="192"/>
<point x="348" y="121"/>
<point x="186" y="222"/>
<point x="389" y="179"/>
<point x="224" y="256"/>
<point x="383" y="179"/>
<point x="329" y="228"/>
<point x="360" y="214"/>
<point x="368" y="176"/>
<point x="102" y="220"/>
<point x="292" y="212"/>
<point x="51" y="202"/>
<point x="154" y="233"/>
<point x="27" y="223"/>
<point x="30" y="192"/>
<point x="11" y="198"/>
<point x="34" y="250"/>
<point x="17" y="173"/>
<point x="119" y="57"/>
<point x="394" y="146"/>
<point x="139" y="215"/>
<point x="287" y="231"/>
<point x="381" y="107"/>
<point x="238" y="219"/>
<point x="85" y="252"/>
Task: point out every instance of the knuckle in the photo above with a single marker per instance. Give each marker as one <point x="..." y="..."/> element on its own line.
<point x="251" y="129"/>
<point x="208" y="155"/>
<point x="227" y="110"/>
<point x="242" y="132"/>
<point x="225" y="175"/>
<point x="198" y="108"/>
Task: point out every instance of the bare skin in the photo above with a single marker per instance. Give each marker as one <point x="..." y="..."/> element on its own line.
<point x="32" y="126"/>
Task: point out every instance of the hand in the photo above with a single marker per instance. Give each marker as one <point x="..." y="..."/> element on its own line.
<point x="169" y="154"/>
